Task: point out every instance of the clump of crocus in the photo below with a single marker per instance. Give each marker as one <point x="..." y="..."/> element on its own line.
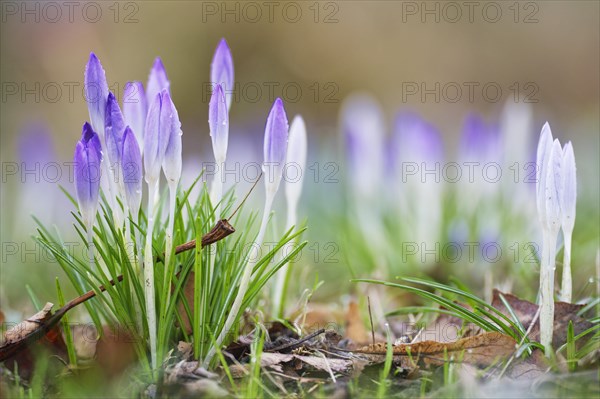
<point x="568" y="201"/>
<point x="275" y="148"/>
<point x="555" y="193"/>
<point x="296" y="164"/>
<point x="88" y="160"/>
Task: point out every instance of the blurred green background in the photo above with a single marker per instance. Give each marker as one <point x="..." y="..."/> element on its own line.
<point x="313" y="54"/>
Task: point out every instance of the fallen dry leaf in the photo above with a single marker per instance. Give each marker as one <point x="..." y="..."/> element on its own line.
<point x="563" y="313"/>
<point x="115" y="351"/>
<point x="355" y="328"/>
<point x="481" y="350"/>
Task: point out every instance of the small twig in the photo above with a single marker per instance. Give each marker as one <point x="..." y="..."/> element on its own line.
<point x="297" y="343"/>
<point x="371" y="320"/>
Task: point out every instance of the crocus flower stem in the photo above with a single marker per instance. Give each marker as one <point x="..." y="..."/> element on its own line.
<point x="547" y="289"/>
<point x="567" y="282"/>
<point x="149" y="273"/>
<point x="251" y="260"/>
<point x="170" y="227"/>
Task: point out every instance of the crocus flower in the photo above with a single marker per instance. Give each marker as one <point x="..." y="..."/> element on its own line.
<point x="96" y="93"/>
<point x="157" y="80"/>
<point x="275" y="148"/>
<point x="114" y="126"/>
<point x="135" y="109"/>
<point x="549" y="190"/>
<point x="296" y="159"/>
<point x="156" y="136"/>
<point x="87" y="160"/>
<point x="221" y="70"/>
<point x="172" y="167"/>
<point x="218" y="122"/>
<point x="296" y="165"/>
<point x="131" y="163"/>
<point x="568" y="201"/>
<point x="363" y="131"/>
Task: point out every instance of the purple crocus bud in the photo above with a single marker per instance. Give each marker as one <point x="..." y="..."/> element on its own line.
<point x="87" y="159"/>
<point x="135" y="109"/>
<point x="96" y="92"/>
<point x="218" y="122"/>
<point x="157" y="80"/>
<point x="275" y="146"/>
<point x="568" y="199"/>
<point x="156" y="136"/>
<point x="543" y="154"/>
<point x="172" y="159"/>
<point x="132" y="171"/>
<point x="554" y="187"/>
<point x="221" y="70"/>
<point x="114" y="125"/>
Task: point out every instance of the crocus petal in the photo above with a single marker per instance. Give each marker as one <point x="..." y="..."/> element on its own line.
<point x="135" y="109"/>
<point x="569" y="195"/>
<point x="218" y="122"/>
<point x="156" y="136"/>
<point x="157" y="80"/>
<point x="554" y="186"/>
<point x="275" y="145"/>
<point x="114" y="126"/>
<point x="172" y="159"/>
<point x="87" y="159"/>
<point x="96" y="92"/>
<point x="296" y="159"/>
<point x="479" y="141"/>
<point x="132" y="171"/>
<point x="543" y="153"/>
<point x="221" y="70"/>
<point x="416" y="140"/>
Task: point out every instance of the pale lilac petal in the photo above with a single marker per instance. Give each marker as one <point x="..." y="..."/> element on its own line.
<point x="157" y="80"/>
<point x="135" y="109"/>
<point x="156" y="136"/>
<point x="132" y="171"/>
<point x="218" y="122"/>
<point x="87" y="160"/>
<point x="296" y="159"/>
<point x="221" y="70"/>
<point x="543" y="154"/>
<point x="569" y="194"/>
<point x="172" y="159"/>
<point x="275" y="145"/>
<point x="554" y="186"/>
<point x="96" y="92"/>
<point x="114" y="125"/>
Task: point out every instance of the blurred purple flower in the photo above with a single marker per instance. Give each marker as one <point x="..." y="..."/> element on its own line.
<point x="480" y="142"/>
<point x="96" y="92"/>
<point x="157" y="81"/>
<point x="135" y="109"/>
<point x="35" y="146"/>
<point x="416" y="140"/>
<point x="87" y="159"/>
<point x="221" y="70"/>
<point x="132" y="171"/>
<point x="275" y="146"/>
